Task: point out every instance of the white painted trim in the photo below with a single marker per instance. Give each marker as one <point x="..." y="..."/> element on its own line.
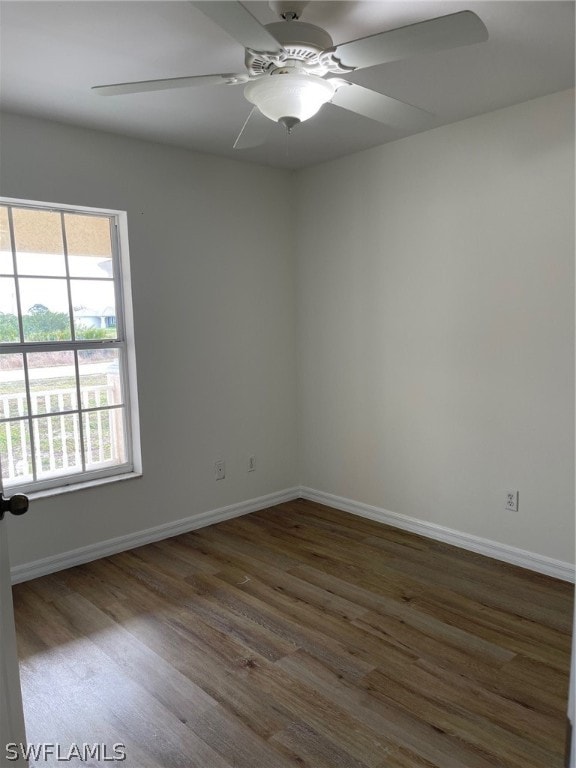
<point x="531" y="560"/>
<point x="139" y="538"/>
<point x="494" y="549"/>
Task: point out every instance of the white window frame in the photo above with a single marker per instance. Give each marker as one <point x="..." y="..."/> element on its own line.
<point x="124" y="342"/>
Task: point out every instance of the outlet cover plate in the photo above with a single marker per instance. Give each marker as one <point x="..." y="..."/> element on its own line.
<point x="512" y="501"/>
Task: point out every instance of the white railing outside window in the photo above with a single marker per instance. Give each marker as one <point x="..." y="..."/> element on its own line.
<point x="59" y="449"/>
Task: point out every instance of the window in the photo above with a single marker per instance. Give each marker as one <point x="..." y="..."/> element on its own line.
<point x="67" y="375"/>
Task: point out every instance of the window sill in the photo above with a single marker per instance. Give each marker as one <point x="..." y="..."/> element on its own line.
<point x="79" y="486"/>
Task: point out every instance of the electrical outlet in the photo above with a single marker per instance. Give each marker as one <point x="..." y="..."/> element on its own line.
<point x="512" y="501"/>
<point x="220" y="469"/>
<point x="251" y="463"/>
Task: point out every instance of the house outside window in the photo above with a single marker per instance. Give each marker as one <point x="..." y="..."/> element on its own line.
<point x="68" y="406"/>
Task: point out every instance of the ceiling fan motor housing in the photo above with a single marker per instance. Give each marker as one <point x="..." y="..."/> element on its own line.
<point x="301" y="42"/>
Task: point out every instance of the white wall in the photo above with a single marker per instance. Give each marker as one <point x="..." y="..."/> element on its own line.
<point x="433" y="307"/>
<point x="436" y="326"/>
<point x="213" y="289"/>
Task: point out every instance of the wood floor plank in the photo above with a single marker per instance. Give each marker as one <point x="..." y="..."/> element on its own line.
<point x="312" y="750"/>
<point x="512" y="632"/>
<point x="519" y="588"/>
<point x="520" y="637"/>
<point x="214" y="662"/>
<point x="454" y="691"/>
<point x="299" y="637"/>
<point x="292" y="588"/>
<point x="475" y="728"/>
<point x="393" y="724"/>
<point x="533" y="610"/>
<point x="381" y="652"/>
<point x="96" y="698"/>
<point x="315" y="637"/>
<point x="241" y="747"/>
<point x="200" y="594"/>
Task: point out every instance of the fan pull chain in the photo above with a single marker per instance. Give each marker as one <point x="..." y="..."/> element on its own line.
<point x="287" y="135"/>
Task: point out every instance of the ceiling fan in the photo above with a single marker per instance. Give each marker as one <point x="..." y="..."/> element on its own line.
<point x="293" y="67"/>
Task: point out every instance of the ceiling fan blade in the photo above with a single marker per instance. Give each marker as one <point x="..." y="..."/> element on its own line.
<point x="172" y="82"/>
<point x="452" y="31"/>
<point x="379" y="107"/>
<point x="240" y="24"/>
<point x="255" y="130"/>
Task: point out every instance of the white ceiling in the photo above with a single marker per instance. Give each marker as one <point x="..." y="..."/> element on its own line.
<point x="53" y="52"/>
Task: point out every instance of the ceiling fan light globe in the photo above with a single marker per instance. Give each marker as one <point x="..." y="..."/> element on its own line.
<point x="291" y="95"/>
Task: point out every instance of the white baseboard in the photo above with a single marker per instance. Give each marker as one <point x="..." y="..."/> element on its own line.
<point x="514" y="555"/>
<point x="121" y="543"/>
<point x="531" y="560"/>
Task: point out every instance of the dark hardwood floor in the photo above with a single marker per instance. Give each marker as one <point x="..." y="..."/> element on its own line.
<point x="299" y="637"/>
